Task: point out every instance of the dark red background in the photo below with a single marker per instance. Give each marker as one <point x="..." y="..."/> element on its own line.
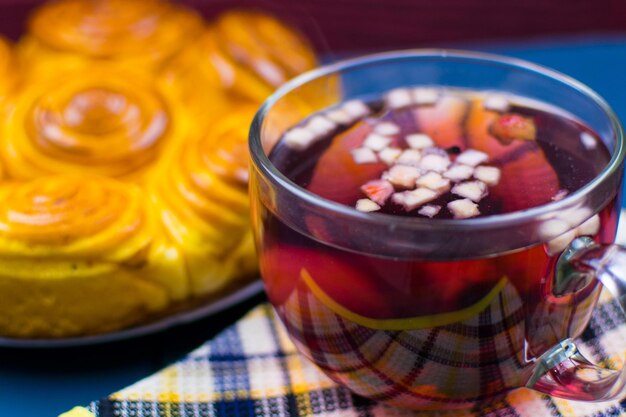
<point x="339" y="25"/>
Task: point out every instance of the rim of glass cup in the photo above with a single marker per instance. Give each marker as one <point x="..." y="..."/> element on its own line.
<point x="263" y="163"/>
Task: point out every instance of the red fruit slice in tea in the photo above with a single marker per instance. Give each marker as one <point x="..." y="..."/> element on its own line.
<point x="513" y="126"/>
<point x="528" y="181"/>
<point x="282" y="268"/>
<point x="525" y="269"/>
<point x="443" y="287"/>
<point x="443" y="122"/>
<point x="527" y="178"/>
<point x="337" y="176"/>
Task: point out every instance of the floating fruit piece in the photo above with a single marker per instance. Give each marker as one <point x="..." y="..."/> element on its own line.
<point x="479" y="137"/>
<point x="459" y="172"/>
<point x="474" y="190"/>
<point x="419" y="141"/>
<point x="378" y="190"/>
<point x="402" y="176"/>
<point x="366" y="205"/>
<point x="282" y="267"/>
<point x="463" y="209"/>
<point x="340" y="177"/>
<point x="512" y="126"/>
<point x="434" y="181"/>
<point x="527" y="178"/>
<point x="488" y="175"/>
<point x="430" y="210"/>
<point x="410" y="157"/>
<point x="443" y="121"/>
<point x="389" y="155"/>
<point x="528" y="181"/>
<point x="413" y="199"/>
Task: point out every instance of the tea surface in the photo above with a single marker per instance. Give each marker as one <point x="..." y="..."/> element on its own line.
<point x="441" y="154"/>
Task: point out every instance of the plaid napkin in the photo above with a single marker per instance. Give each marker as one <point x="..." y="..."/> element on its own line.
<point x="253" y="369"/>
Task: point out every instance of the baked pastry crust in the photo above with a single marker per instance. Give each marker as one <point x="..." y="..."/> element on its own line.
<point x="201" y="196"/>
<point x="124" y="147"/>
<point x="81" y="254"/>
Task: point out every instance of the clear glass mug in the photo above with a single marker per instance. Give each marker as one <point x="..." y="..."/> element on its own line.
<point x="365" y="296"/>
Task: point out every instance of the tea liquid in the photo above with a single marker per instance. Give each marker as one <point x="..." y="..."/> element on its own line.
<point x="556" y="155"/>
<point x="430" y="154"/>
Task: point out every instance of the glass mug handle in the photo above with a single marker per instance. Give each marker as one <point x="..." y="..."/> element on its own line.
<point x="563" y="371"/>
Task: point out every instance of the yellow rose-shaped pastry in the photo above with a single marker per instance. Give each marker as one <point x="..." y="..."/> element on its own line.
<point x="100" y="121"/>
<point x="201" y="195"/>
<point x="246" y="53"/>
<point x="8" y="70"/>
<point x="140" y="33"/>
<point x="81" y="254"/>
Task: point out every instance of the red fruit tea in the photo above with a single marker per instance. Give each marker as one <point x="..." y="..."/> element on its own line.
<point x="431" y="154"/>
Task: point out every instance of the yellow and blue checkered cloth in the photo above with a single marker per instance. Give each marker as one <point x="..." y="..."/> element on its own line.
<point x="253" y="369"/>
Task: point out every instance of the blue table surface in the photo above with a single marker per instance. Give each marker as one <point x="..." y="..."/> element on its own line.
<point x="47" y="382"/>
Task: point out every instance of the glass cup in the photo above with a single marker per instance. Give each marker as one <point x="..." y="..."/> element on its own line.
<point x="373" y="299"/>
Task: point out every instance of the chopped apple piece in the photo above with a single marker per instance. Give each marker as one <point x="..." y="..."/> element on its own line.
<point x="364" y="156"/>
<point x="425" y="96"/>
<point x="434" y="181"/>
<point x="497" y="103"/>
<point x="299" y="138"/>
<point x="339" y="116"/>
<point x="366" y="205"/>
<point x="399" y="98"/>
<point x="387" y="129"/>
<point x="376" y="142"/>
<point x="402" y="176"/>
<point x="389" y="155"/>
<point x="488" y="175"/>
<point x="419" y="140"/>
<point x="463" y="209"/>
<point x="321" y="125"/>
<point x="429" y="210"/>
<point x="459" y="172"/>
<point x="474" y="190"/>
<point x="410" y="157"/>
<point x="356" y="108"/>
<point x="378" y="190"/>
<point x="411" y="200"/>
<point x="471" y="157"/>
<point x="435" y="162"/>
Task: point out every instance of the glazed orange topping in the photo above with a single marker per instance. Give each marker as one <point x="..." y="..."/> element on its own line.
<point x="246" y="53"/>
<point x="73" y="217"/>
<point x="103" y="122"/>
<point x="115" y="28"/>
<point x="261" y="43"/>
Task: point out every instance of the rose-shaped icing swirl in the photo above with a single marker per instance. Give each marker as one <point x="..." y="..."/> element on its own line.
<point x="75" y="243"/>
<point x="73" y="217"/>
<point x="109" y="123"/>
<point x="142" y="32"/>
<point x="202" y="197"/>
<point x="246" y="53"/>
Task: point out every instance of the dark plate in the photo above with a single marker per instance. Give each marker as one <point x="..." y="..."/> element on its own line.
<point x="176" y="319"/>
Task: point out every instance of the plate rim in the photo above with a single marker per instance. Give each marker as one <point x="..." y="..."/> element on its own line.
<point x="165" y="323"/>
